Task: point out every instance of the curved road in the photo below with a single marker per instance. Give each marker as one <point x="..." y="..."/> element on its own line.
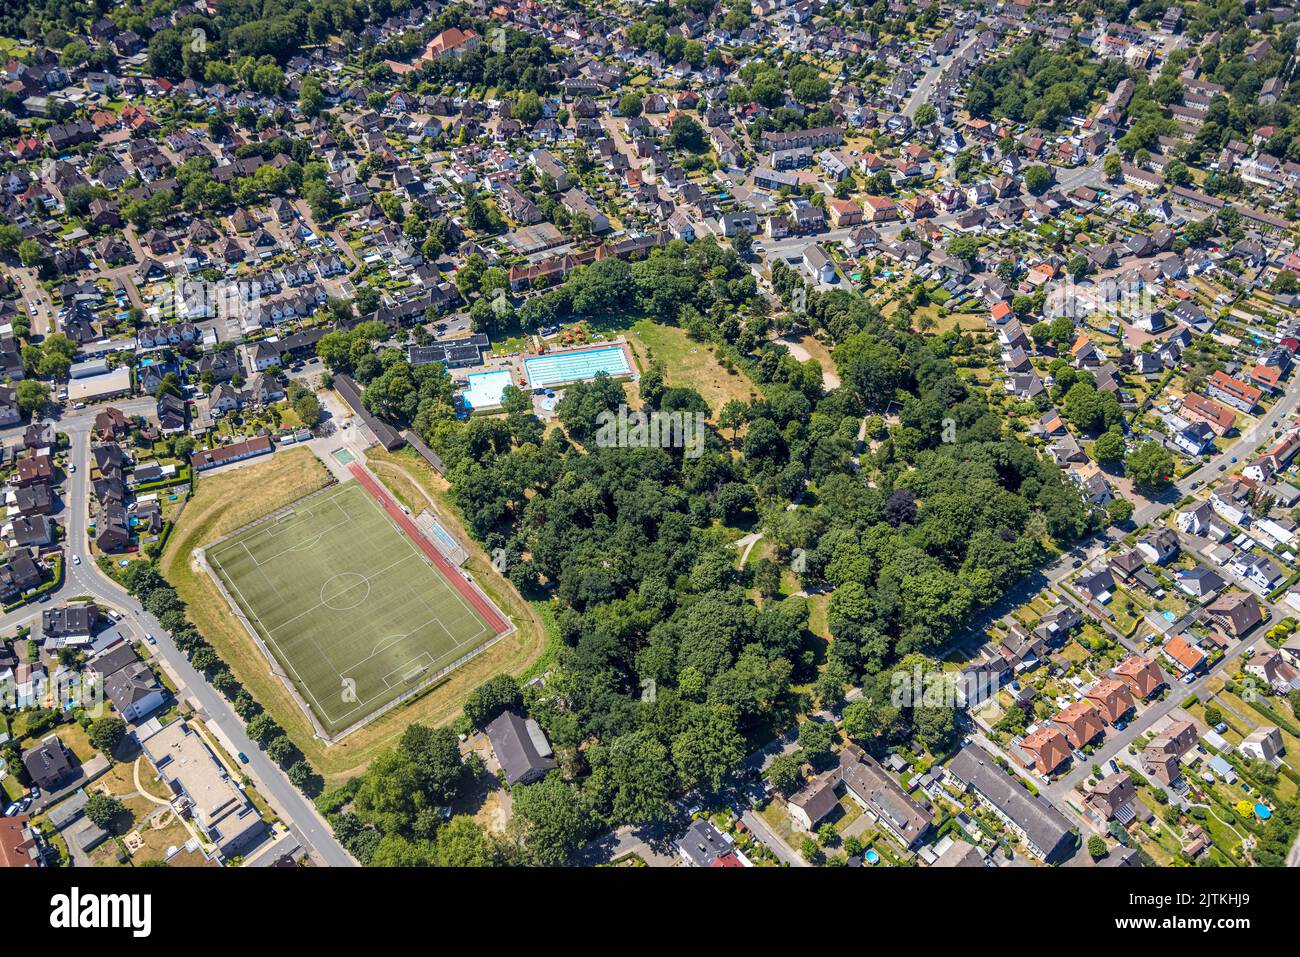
<point x="295" y="809"/>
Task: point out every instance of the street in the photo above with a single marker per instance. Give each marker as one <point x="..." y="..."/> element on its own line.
<point x="86" y="579"/>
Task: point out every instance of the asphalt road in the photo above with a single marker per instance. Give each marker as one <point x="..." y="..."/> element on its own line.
<point x="924" y="86"/>
<point x="86" y="579"/>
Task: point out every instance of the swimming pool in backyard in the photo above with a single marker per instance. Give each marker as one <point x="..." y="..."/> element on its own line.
<point x="564" y="367"/>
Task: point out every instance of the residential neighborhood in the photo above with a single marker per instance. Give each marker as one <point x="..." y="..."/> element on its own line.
<point x="701" y="433"/>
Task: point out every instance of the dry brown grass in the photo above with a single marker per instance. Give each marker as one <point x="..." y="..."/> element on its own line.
<point x="227" y="501"/>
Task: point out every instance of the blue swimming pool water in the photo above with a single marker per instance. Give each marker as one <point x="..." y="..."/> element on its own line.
<point x="872" y="857"/>
<point x="484" y="389"/>
<point x="1262" y="812"/>
<point x="440" y="533"/>
<point x="562" y="367"/>
<point x="1169" y="615"/>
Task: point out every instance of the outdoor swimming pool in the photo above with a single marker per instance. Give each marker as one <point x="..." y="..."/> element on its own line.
<point x="563" y="367"/>
<point x="483" y="389"/>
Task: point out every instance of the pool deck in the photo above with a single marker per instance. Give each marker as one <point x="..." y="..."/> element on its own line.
<point x="515" y="366"/>
<point x="618" y="344"/>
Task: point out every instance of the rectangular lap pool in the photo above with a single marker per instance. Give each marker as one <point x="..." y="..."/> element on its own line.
<point x="565" y="367"/>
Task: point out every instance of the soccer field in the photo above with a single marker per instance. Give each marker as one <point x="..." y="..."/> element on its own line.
<point x="347" y="603"/>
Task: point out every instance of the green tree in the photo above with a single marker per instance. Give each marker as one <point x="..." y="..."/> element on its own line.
<point x="106" y="733"/>
<point x="1119" y="510"/>
<point x="463" y="843"/>
<point x="1150" y="466"/>
<point x="630" y="105"/>
<point x="103" y="810"/>
<point x="552" y="818"/>
<point x="816" y="739"/>
<point x="1037" y="179"/>
<point x="785" y="772"/>
<point x="1109" y="447"/>
<point x="32" y="396"/>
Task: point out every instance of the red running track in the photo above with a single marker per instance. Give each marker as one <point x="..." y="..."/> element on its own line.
<point x="486" y="610"/>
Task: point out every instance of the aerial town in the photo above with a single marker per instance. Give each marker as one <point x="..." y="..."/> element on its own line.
<point x="696" y="433"/>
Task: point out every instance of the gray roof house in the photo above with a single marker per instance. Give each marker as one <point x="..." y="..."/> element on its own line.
<point x="520" y="747"/>
<point x="1043" y="828"/>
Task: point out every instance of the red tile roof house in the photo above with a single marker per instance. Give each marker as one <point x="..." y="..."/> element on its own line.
<point x="1047" y="746"/>
<point x="1163" y="751"/>
<point x="1142" y="675"/>
<point x="1186" y="657"/>
<point x="453" y="41"/>
<point x="1197" y="408"/>
<point x="1268" y="378"/>
<point x="18" y="845"/>
<point x="845" y="212"/>
<point x="1112" y="698"/>
<point x="1236" y="393"/>
<point x="880" y="208"/>
<point x="1081" y="723"/>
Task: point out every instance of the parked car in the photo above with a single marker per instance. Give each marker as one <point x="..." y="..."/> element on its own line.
<point x="1188" y="679"/>
<point x="1114" y="766"/>
<point x="243" y="758"/>
<point x="151" y="639"/>
<point x="1221" y="727"/>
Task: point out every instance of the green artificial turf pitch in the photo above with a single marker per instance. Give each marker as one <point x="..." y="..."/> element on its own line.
<point x="346" y="602"/>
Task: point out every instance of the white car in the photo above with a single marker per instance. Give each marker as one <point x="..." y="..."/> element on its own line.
<point x="76" y="559"/>
<point x="72" y="467"/>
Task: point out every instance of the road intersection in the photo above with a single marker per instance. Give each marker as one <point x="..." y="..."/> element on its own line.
<point x="306" y="824"/>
